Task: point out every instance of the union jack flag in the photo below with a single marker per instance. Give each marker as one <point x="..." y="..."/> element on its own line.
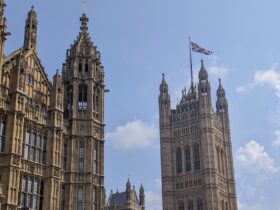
<point x="197" y="48"/>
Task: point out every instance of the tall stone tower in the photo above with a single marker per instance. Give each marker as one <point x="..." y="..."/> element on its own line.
<point x="83" y="80"/>
<point x="51" y="133"/>
<point x="196" y="152"/>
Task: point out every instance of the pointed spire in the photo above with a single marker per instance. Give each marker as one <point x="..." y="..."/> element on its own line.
<point x="84" y="21"/>
<point x="141" y="196"/>
<point x="3" y="22"/>
<point x="163" y="86"/>
<point x="30" y="37"/>
<point x="128" y="185"/>
<point x="221" y="91"/>
<point x="221" y="104"/>
<point x="203" y="75"/>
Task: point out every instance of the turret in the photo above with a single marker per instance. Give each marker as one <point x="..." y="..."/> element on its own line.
<point x="221" y="104"/>
<point x="30" y="36"/>
<point x="3" y="34"/>
<point x="204" y="89"/>
<point x="128" y="191"/>
<point x="164" y="101"/>
<point x="142" y="196"/>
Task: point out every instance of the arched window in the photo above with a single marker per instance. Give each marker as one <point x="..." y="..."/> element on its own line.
<point x="178" y="160"/>
<point x="188" y="159"/>
<point x="80" y="67"/>
<point x="82" y="103"/>
<point x="190" y="205"/>
<point x="199" y="204"/>
<point x="196" y="156"/>
<point x="181" y="205"/>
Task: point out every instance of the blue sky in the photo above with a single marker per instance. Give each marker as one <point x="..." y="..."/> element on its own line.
<point x="138" y="41"/>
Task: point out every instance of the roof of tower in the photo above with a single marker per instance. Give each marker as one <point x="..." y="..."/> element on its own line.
<point x="32" y="13"/>
<point x="220" y="90"/>
<point x="163" y="86"/>
<point x="128" y="185"/>
<point x="83" y="39"/>
<point x="203" y="75"/>
<point x="141" y="189"/>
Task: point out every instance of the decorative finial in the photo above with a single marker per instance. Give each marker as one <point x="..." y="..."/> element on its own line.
<point x="219" y="80"/>
<point x="32" y="7"/>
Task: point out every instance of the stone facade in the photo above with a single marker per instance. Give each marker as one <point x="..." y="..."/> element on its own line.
<point x="126" y="200"/>
<point x="51" y="133"/>
<point x="196" y="152"/>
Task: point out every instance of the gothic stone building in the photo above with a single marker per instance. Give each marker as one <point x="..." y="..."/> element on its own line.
<point x="51" y="133"/>
<point x="127" y="200"/>
<point x="196" y="154"/>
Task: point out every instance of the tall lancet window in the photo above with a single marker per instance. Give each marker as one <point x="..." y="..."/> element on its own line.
<point x="199" y="204"/>
<point x="178" y="160"/>
<point x="80" y="198"/>
<point x="95" y="154"/>
<point x="82" y="103"/>
<point x="181" y="205"/>
<point x="81" y="157"/>
<point x="2" y="135"/>
<point x="190" y="205"/>
<point x="188" y="159"/>
<point x="196" y="156"/>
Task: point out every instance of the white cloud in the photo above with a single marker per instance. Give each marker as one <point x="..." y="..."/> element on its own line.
<point x="252" y="157"/>
<point x="216" y="68"/>
<point x="218" y="71"/>
<point x="153" y="200"/>
<point x="276" y="142"/>
<point x="268" y="77"/>
<point x="133" y="135"/>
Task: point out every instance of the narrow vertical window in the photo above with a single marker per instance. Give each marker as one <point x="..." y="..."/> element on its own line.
<point x="190" y="205"/>
<point x="178" y="160"/>
<point x="188" y="159"/>
<point x="86" y="67"/>
<point x="69" y="100"/>
<point x="95" y="152"/>
<point x="196" y="156"/>
<point x="80" y="67"/>
<point x="65" y="156"/>
<point x="80" y="198"/>
<point x="44" y="158"/>
<point x="62" y="198"/>
<point x="199" y="204"/>
<point x="82" y="102"/>
<point x="2" y="135"/>
<point x="81" y="158"/>
<point x="94" y="198"/>
<point x="181" y="205"/>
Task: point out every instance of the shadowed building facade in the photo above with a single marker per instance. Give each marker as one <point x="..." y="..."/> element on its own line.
<point x="51" y="133"/>
<point x="196" y="151"/>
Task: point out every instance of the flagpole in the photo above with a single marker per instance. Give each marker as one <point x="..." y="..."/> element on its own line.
<point x="191" y="63"/>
